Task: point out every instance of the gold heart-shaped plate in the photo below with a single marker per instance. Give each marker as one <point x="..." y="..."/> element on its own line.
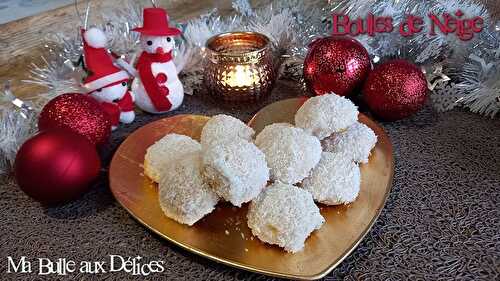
<point x="223" y="235"/>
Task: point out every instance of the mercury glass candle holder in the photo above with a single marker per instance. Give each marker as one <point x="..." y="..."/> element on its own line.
<point x="239" y="67"/>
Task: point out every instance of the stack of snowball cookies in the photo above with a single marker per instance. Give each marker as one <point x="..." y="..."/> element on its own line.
<point x="315" y="160"/>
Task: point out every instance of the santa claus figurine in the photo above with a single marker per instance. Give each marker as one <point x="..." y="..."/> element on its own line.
<point x="157" y="87"/>
<point x="107" y="83"/>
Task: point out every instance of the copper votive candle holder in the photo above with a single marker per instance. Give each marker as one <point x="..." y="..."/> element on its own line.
<point x="239" y="67"/>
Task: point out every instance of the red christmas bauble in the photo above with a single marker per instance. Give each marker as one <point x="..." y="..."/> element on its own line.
<point x="395" y="90"/>
<point x="55" y="166"/>
<point x="79" y="113"/>
<point x="336" y="64"/>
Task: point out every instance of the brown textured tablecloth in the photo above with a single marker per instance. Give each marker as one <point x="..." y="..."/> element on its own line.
<point x="441" y="220"/>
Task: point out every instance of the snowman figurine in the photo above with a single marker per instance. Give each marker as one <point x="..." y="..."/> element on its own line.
<point x="157" y="87"/>
<point x="107" y="83"/>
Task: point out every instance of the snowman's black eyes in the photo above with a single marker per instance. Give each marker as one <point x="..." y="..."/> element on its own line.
<point x="124" y="84"/>
<point x="169" y="39"/>
<point x="149" y="43"/>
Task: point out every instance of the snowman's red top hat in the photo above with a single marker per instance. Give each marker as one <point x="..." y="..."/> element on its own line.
<point x="99" y="62"/>
<point x="156" y="23"/>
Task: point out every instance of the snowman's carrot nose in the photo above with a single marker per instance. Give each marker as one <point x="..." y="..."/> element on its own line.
<point x="160" y="50"/>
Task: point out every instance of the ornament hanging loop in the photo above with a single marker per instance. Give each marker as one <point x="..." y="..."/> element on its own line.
<point x="83" y="21"/>
<point x="84" y="24"/>
<point x="153" y="2"/>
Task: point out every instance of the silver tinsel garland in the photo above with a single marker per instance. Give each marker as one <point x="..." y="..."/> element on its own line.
<point x="19" y="122"/>
<point x="460" y="73"/>
<point x="469" y="73"/>
<point x="476" y="79"/>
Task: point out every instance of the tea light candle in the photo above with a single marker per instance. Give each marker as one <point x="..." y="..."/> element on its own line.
<point x="241" y="77"/>
<point x="239" y="66"/>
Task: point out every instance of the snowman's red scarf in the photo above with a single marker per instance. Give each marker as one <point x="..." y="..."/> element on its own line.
<point x="160" y="102"/>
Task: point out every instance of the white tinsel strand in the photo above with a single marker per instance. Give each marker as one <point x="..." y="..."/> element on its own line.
<point x="459" y="48"/>
<point x="418" y="48"/>
<point x="295" y="24"/>
<point x="488" y="41"/>
<point x="469" y="8"/>
<point x="195" y="34"/>
<point x="481" y="84"/>
<point x="14" y="130"/>
<point x="353" y="8"/>
<point x="68" y="47"/>
<point x="18" y="123"/>
<point x="199" y="30"/>
<point x="476" y="77"/>
<point x="483" y="96"/>
<point x="57" y="77"/>
<point x="310" y="24"/>
<point x="243" y="7"/>
<point x="291" y="26"/>
<point x="190" y="51"/>
<point x="118" y="25"/>
<point x="278" y="27"/>
<point x="183" y="56"/>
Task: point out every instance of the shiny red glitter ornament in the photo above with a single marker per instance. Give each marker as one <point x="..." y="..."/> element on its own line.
<point x="336" y="64"/>
<point x="56" y="165"/>
<point x="80" y="114"/>
<point x="395" y="90"/>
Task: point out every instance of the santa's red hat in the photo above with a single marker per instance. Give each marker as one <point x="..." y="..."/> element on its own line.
<point x="99" y="62"/>
<point x="155" y="21"/>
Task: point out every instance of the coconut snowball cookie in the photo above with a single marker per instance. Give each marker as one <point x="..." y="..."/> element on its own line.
<point x="290" y="152"/>
<point x="224" y="127"/>
<point x="284" y="215"/>
<point x="167" y="150"/>
<point x="183" y="194"/>
<point x="326" y="114"/>
<point x="355" y="142"/>
<point x="236" y="170"/>
<point x="336" y="180"/>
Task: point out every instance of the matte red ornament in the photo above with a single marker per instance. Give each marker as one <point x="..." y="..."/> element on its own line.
<point x="395" y="90"/>
<point x="336" y="64"/>
<point x="79" y="113"/>
<point x="56" y="165"/>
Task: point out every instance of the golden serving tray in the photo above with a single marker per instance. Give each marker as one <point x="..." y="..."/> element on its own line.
<point x="223" y="235"/>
